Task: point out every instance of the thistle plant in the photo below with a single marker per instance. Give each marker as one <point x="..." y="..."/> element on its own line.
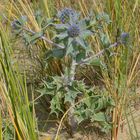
<point x="70" y="42"/>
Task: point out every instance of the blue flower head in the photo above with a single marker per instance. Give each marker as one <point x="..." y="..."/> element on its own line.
<point x="124" y="37"/>
<point x="73" y="30"/>
<point x="65" y="15"/>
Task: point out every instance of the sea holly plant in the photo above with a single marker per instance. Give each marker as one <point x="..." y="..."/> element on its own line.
<point x="70" y="42"/>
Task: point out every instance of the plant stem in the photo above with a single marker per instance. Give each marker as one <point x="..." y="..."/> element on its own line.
<point x="72" y="71"/>
<point x="98" y="54"/>
<point x="71" y="75"/>
<point x="44" y="38"/>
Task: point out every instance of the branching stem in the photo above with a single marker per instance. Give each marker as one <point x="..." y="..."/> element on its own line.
<point x="44" y="38"/>
<point x="97" y="54"/>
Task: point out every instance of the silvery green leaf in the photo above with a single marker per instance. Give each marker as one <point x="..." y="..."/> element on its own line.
<point x="82" y="24"/>
<point x="88" y="100"/>
<point x="106" y="127"/>
<point x="27" y="38"/>
<point x="31" y="39"/>
<point x="62" y="35"/>
<point x="61" y="26"/>
<point x="85" y="33"/>
<point x="70" y="96"/>
<point x="80" y="56"/>
<point x="79" y="86"/>
<point x="81" y="42"/>
<point x="69" y="49"/>
<point x="58" y="53"/>
<point x="56" y="105"/>
<point x="39" y="17"/>
<point x="111" y="102"/>
<point x="104" y="16"/>
<point x="57" y="80"/>
<point x="35" y="37"/>
<point x="23" y="19"/>
<point x="100" y="117"/>
<point x="104" y="39"/>
<point x="99" y="104"/>
<point x="46" y="22"/>
<point x="80" y="116"/>
<point x="70" y="40"/>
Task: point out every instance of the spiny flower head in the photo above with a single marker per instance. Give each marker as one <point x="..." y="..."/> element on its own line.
<point x="73" y="30"/>
<point x="65" y="14"/>
<point x="124" y="37"/>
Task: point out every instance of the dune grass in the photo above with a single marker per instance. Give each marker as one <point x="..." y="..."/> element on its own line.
<point x="14" y="96"/>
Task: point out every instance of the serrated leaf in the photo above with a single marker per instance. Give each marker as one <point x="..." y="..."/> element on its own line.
<point x="86" y="33"/>
<point x="61" y="26"/>
<point x="99" y="117"/>
<point x="99" y="105"/>
<point x="88" y="112"/>
<point x="81" y="42"/>
<point x="48" y="56"/>
<point x="106" y="127"/>
<point x="88" y="101"/>
<point x="80" y="56"/>
<point x="62" y="36"/>
<point x="80" y="118"/>
<point x="34" y="37"/>
<point x="58" y="82"/>
<point x="79" y="85"/>
<point x="111" y="102"/>
<point x="56" y="105"/>
<point x="70" y="40"/>
<point x="58" y="53"/>
<point x="104" y="16"/>
<point x="82" y="24"/>
<point x="104" y="39"/>
<point x="27" y="38"/>
<point x="70" y="96"/>
<point x="69" y="50"/>
<point x="80" y="114"/>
